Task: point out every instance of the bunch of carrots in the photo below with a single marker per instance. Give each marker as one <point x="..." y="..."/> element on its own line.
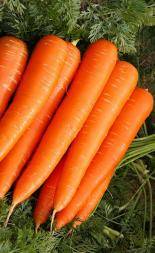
<point x="68" y="125"/>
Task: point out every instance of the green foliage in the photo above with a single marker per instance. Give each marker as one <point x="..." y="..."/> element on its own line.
<point x="115" y="20"/>
<point x="72" y="19"/>
<point x="30" y="20"/>
<point x="118" y="225"/>
<point x="139" y="148"/>
<point x="20" y="235"/>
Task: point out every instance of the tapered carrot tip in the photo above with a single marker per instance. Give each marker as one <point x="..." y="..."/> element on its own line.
<point x="37" y="228"/>
<point x="77" y="223"/>
<point x="9" y="214"/>
<point x="70" y="232"/>
<point x="52" y="219"/>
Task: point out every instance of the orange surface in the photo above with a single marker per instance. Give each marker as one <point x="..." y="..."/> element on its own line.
<point x="39" y="80"/>
<point x="117" y="91"/>
<point x="13" y="163"/>
<point x="45" y="200"/>
<point x="91" y="77"/>
<point x="13" y="57"/>
<point x="112" y="150"/>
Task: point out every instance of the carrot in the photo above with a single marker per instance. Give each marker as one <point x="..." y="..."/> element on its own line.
<point x="13" y="163"/>
<point x="112" y="150"/>
<point x="92" y="201"/>
<point x="116" y="92"/>
<point x="13" y="57"/>
<point x="45" y="201"/>
<point x="36" y="86"/>
<point x="88" y="83"/>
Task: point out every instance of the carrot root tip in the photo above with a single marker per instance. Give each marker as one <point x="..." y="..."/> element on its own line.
<point x="70" y="232"/>
<point x="37" y="228"/>
<point x="9" y="214"/>
<point x="52" y="220"/>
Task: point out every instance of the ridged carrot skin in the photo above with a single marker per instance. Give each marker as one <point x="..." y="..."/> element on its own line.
<point x="13" y="57"/>
<point x="112" y="150"/>
<point x="93" y="200"/>
<point x="45" y="202"/>
<point x="35" y="88"/>
<point x="91" y="77"/>
<point x="117" y="91"/>
<point x="13" y="163"/>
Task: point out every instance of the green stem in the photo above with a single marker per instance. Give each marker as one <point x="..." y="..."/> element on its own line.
<point x="146" y="138"/>
<point x="142" y="169"/>
<point x="153" y="178"/>
<point x="145" y="129"/>
<point x="134" y="195"/>
<point x="111" y="233"/>
<point x="135" y="154"/>
<point x="151" y="208"/>
<point x="122" y="208"/>
<point x="145" y="201"/>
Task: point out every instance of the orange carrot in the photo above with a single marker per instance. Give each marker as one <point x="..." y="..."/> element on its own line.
<point x="115" y="94"/>
<point x="92" y="201"/>
<point x="45" y="201"/>
<point x="12" y="164"/>
<point x="13" y="57"/>
<point x="36" y="86"/>
<point x="88" y="83"/>
<point x="112" y="150"/>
